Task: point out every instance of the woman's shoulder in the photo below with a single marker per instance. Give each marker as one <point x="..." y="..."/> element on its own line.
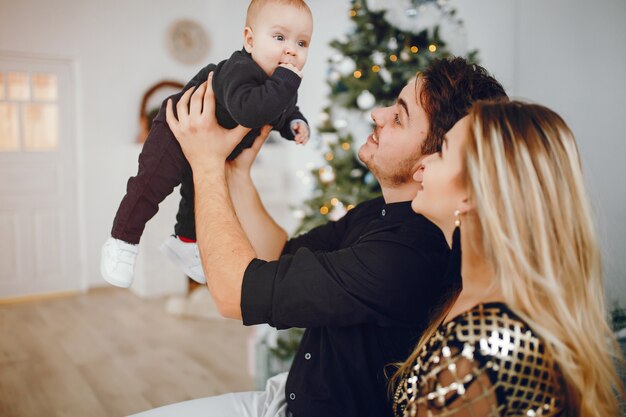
<point x="501" y="343"/>
<point x="494" y="329"/>
<point x="498" y="339"/>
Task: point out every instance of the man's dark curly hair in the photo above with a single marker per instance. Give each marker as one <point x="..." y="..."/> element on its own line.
<point x="449" y="89"/>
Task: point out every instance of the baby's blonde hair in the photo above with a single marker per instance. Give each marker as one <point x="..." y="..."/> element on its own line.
<point x="256" y="5"/>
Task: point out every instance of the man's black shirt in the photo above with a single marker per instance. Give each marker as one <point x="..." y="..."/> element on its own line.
<point x="365" y="287"/>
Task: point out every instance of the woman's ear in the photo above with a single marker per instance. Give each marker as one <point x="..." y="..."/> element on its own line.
<point x="466" y="206"/>
<point x="247" y="39"/>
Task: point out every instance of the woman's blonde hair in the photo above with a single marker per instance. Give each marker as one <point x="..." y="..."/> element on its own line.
<point x="525" y="181"/>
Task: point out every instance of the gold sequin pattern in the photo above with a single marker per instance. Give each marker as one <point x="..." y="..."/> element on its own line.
<point x="486" y="362"/>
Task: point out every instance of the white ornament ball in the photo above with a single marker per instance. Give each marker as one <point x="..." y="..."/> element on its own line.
<point x="385" y="75"/>
<point x="337" y="212"/>
<point x="356" y="173"/>
<point x="329" y="138"/>
<point x="334" y="76"/>
<point x="405" y="16"/>
<point x="340" y="124"/>
<point x="336" y="58"/>
<point x="376" y="5"/>
<point x="378" y="58"/>
<point x="365" y="100"/>
<point x="346" y="66"/>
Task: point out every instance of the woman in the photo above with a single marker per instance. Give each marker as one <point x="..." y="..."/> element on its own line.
<point x="527" y="335"/>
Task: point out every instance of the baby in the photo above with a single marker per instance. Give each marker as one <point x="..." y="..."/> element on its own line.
<point x="256" y="86"/>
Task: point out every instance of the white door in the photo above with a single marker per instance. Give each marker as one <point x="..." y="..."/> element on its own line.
<point x="39" y="233"/>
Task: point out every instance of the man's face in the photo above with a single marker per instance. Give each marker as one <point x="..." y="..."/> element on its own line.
<point x="392" y="152"/>
<point x="279" y="34"/>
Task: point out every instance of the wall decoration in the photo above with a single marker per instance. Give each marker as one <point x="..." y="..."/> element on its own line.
<point x="187" y="41"/>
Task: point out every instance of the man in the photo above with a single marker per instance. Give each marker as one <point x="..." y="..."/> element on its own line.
<point x="365" y="287"/>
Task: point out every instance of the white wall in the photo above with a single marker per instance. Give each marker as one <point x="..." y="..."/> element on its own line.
<point x="569" y="55"/>
<point x="119" y="47"/>
<point x="566" y="54"/>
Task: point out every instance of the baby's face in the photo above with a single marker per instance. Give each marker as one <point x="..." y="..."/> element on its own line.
<point x="280" y="34"/>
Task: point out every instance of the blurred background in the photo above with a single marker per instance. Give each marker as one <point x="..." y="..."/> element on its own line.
<point x="85" y="71"/>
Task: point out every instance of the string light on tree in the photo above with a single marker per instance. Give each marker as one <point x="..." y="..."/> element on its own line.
<point x="326" y="174"/>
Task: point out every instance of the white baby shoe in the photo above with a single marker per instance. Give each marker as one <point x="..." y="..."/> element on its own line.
<point x="117" y="262"/>
<point x="186" y="256"/>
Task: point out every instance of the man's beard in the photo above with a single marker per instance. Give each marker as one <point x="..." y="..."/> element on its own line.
<point x="400" y="174"/>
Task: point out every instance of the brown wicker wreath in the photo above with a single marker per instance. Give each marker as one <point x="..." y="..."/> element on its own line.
<point x="146" y="115"/>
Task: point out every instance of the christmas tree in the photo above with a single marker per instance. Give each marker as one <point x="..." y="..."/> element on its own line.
<point x="390" y="41"/>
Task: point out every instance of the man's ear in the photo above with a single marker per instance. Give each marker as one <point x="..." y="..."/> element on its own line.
<point x="247" y="39"/>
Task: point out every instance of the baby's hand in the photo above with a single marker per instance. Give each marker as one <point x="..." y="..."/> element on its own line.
<point x="292" y="68"/>
<point x="302" y="133"/>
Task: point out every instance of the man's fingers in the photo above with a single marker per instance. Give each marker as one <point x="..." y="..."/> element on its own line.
<point x="239" y="131"/>
<point x="263" y="135"/>
<point x="182" y="107"/>
<point x="209" y="97"/>
<point x="195" y="109"/>
<point x="265" y="131"/>
<point x="172" y="121"/>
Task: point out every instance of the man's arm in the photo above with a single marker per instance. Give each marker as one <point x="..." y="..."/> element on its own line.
<point x="225" y="250"/>
<point x="267" y="237"/>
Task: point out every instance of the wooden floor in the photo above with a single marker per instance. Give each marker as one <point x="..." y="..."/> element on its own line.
<point x="109" y="353"/>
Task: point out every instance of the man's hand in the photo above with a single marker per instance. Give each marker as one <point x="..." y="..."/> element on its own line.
<point x="241" y="165"/>
<point x="201" y="138"/>
<point x="292" y="68"/>
<point x="302" y="133"/>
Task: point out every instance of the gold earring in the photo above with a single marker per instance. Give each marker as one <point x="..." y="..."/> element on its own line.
<point x="457" y="219"/>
